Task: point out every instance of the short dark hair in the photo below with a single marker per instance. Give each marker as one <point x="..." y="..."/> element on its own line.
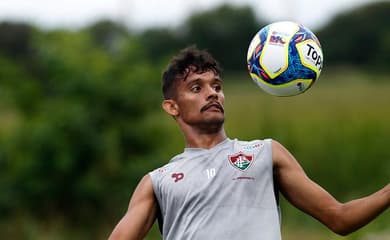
<point x="189" y="59"/>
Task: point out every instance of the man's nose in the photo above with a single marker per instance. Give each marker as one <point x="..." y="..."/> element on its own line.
<point x="212" y="94"/>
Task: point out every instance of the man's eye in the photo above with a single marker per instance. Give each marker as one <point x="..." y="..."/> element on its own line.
<point x="195" y="89"/>
<point x="217" y="88"/>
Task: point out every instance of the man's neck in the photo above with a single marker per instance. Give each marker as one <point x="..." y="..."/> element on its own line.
<point x="206" y="141"/>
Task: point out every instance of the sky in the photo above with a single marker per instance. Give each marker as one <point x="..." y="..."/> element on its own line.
<point x="141" y="14"/>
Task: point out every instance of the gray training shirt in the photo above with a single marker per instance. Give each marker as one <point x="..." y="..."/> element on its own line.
<point x="226" y="192"/>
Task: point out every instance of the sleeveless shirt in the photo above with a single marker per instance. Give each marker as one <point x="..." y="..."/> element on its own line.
<point x="226" y="192"/>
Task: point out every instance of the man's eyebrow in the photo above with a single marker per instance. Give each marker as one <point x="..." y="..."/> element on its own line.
<point x="192" y="81"/>
<point x="197" y="80"/>
<point x="218" y="79"/>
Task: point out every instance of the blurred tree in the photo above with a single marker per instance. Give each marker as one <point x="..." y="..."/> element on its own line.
<point x="82" y="131"/>
<point x="161" y="42"/>
<point x="15" y="39"/>
<point x="109" y="35"/>
<point x="226" y="31"/>
<point x="359" y="37"/>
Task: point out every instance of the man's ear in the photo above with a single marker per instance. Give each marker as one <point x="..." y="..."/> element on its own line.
<point x="170" y="106"/>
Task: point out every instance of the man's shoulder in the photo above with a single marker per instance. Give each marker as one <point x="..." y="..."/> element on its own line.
<point x="252" y="143"/>
<point x="162" y="170"/>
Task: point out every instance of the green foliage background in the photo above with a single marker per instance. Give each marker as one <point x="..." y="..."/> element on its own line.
<point x="81" y="123"/>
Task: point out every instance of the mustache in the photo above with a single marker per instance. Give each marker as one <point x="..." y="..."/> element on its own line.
<point x="212" y="104"/>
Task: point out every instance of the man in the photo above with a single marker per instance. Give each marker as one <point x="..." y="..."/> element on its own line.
<point x="220" y="188"/>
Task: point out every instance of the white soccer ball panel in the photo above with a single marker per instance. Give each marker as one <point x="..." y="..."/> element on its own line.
<point x="311" y="55"/>
<point x="274" y="57"/>
<point x="274" y="60"/>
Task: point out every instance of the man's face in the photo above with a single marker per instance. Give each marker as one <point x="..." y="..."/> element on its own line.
<point x="200" y="100"/>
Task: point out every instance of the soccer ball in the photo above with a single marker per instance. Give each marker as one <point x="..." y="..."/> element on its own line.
<point x="284" y="58"/>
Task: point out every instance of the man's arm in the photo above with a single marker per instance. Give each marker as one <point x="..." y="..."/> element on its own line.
<point x="140" y="215"/>
<point x="342" y="218"/>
